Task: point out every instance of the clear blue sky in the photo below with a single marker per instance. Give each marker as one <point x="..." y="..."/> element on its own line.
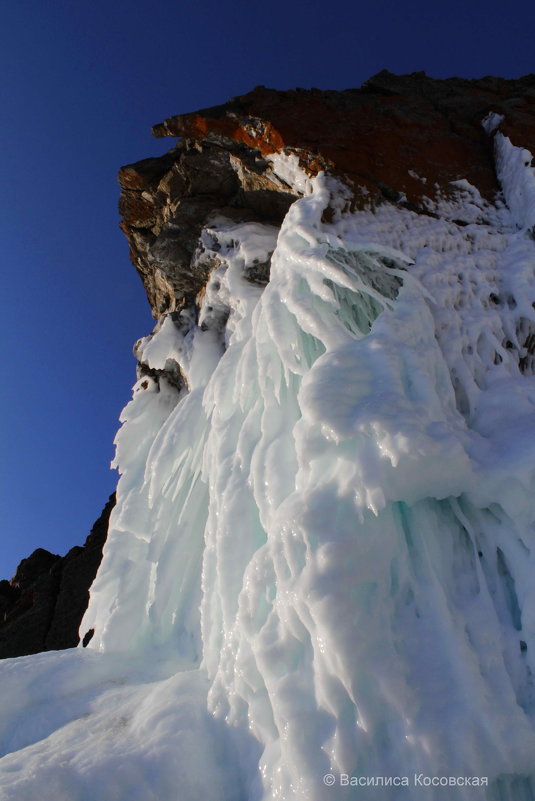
<point x="82" y="83"/>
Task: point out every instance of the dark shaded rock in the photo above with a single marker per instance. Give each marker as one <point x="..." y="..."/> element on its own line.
<point x="6" y="591"/>
<point x="165" y="206"/>
<point x="29" y="570"/>
<point x="77" y="572"/>
<point x="258" y="272"/>
<point x="27" y="620"/>
<point x="88" y="636"/>
<point x="42" y="606"/>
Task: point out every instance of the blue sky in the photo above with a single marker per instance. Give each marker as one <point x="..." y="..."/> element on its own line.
<point x="82" y="84"/>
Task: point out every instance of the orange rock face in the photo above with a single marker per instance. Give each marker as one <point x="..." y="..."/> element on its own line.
<point x="381" y="135"/>
<point x="397" y="139"/>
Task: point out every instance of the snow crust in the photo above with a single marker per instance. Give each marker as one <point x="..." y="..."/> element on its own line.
<point x="322" y="556"/>
<point x="492" y="121"/>
<point x="517" y="177"/>
<point x="77" y="725"/>
<point x="285" y="165"/>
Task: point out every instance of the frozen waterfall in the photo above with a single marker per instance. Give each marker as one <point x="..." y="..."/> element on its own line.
<point x="322" y="559"/>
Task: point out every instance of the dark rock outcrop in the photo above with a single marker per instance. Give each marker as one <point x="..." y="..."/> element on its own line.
<point x="42" y="606"/>
<point x="399" y="139"/>
<point x="165" y="203"/>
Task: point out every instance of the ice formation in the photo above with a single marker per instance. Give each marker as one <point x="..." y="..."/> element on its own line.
<point x="321" y="562"/>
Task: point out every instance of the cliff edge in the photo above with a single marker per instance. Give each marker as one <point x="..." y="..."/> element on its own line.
<point x="397" y="139"/>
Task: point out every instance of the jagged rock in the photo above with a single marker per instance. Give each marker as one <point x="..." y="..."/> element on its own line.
<point x="164" y="207"/>
<point x="376" y="134"/>
<point x="376" y="138"/>
<point x="42" y="606"/>
<point x="29" y="570"/>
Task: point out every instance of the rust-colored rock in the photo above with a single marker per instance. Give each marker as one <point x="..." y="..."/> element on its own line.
<point x="376" y="134"/>
<point x="381" y="139"/>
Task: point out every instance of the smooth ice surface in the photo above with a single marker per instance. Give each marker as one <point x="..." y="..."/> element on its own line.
<point x="321" y="559"/>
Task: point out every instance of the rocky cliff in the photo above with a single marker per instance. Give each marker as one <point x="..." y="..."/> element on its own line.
<point x="43" y="604"/>
<point x="398" y="139"/>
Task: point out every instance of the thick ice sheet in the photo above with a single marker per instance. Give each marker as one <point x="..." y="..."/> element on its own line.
<point x="321" y="559"/>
